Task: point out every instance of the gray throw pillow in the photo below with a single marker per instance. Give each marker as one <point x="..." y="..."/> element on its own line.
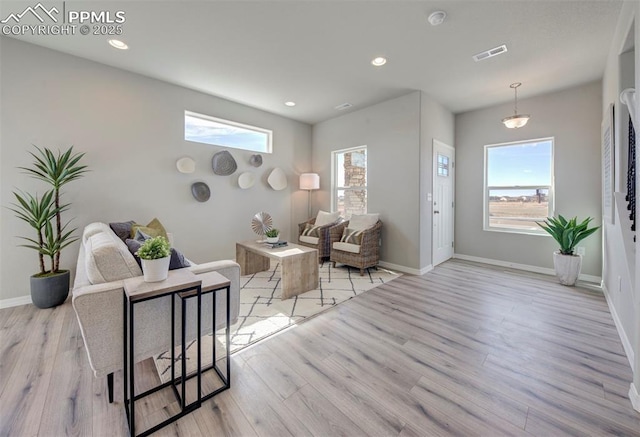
<point x="177" y="261"/>
<point x="122" y="229"/>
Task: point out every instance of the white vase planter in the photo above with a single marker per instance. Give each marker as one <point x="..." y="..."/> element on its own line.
<point x="567" y="267"/>
<point x="273" y="239"/>
<point x="155" y="270"/>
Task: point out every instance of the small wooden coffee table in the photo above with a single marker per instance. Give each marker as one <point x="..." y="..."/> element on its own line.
<point x="299" y="264"/>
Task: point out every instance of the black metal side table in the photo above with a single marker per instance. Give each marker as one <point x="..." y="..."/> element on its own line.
<point x="213" y="282"/>
<point x="183" y="283"/>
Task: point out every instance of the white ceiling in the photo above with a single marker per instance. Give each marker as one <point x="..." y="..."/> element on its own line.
<point x="318" y="53"/>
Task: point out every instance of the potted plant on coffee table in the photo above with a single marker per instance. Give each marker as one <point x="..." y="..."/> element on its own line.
<point x="155" y="254"/>
<point x="272" y="235"/>
<point x="568" y="233"/>
<point x="49" y="287"/>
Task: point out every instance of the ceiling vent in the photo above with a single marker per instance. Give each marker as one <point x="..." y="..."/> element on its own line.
<point x="490" y="53"/>
<point x="343" y="106"/>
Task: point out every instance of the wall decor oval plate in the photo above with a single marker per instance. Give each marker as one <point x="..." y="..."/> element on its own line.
<point x="200" y="191"/>
<point x="255" y="160"/>
<point x="277" y="179"/>
<point x="223" y="163"/>
<point x="246" y="180"/>
<point x="186" y="165"/>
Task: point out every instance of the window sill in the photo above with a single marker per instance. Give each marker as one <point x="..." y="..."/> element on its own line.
<point x="539" y="233"/>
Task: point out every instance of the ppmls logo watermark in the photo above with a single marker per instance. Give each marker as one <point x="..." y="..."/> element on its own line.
<point x="58" y="20"/>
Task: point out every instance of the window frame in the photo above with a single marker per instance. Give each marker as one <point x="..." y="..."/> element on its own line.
<point x="334" y="177"/>
<point x="230" y="123"/>
<point x="487" y="189"/>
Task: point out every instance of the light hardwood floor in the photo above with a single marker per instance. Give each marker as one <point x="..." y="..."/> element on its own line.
<point x="464" y="350"/>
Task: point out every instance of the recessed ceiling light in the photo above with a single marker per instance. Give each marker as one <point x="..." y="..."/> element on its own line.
<point x="116" y="43"/>
<point x="379" y="61"/>
<point x="437" y="17"/>
<point x="290" y="103"/>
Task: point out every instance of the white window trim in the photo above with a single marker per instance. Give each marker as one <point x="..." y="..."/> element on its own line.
<point x="268" y="132"/>
<point x="487" y="189"/>
<point x="334" y="175"/>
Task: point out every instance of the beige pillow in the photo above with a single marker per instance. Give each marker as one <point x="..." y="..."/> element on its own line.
<point x="358" y="222"/>
<point x="325" y="218"/>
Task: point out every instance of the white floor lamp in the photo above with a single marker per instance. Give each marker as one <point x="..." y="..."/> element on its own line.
<point x="309" y="182"/>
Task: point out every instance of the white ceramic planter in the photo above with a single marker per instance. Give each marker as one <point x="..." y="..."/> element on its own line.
<point x="155" y="270"/>
<point x="273" y="239"/>
<point x="567" y="267"/>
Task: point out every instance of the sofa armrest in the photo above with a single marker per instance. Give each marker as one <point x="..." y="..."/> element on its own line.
<point x="230" y="270"/>
<point x="98" y="309"/>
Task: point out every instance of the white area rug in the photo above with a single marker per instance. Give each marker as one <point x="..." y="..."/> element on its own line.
<point x="263" y="313"/>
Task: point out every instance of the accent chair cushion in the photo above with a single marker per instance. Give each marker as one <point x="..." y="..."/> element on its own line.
<point x="361" y="222"/>
<point x="309" y="240"/>
<point x="347" y="247"/>
<point x="325" y="218"/>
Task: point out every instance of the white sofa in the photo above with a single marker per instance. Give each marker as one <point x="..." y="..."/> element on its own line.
<point x="103" y="263"/>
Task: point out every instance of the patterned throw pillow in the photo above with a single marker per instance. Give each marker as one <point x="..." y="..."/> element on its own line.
<point x="353" y="236"/>
<point x="153" y="229"/>
<point x="311" y="230"/>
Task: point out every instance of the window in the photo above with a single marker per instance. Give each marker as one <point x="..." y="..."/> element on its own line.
<point x="349" y="172"/>
<point x="443" y="165"/>
<point x="224" y="133"/>
<point x="518" y="185"/>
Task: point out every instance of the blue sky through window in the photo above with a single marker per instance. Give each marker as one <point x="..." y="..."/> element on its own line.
<point x="519" y="165"/>
<point x="204" y="130"/>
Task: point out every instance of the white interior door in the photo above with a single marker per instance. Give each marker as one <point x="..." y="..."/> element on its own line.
<point x="443" y="201"/>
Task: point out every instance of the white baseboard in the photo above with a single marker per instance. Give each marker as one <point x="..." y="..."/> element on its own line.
<point x="16" y="301"/>
<point x="626" y="344"/>
<point x="525" y="267"/>
<point x="405" y="269"/>
<point x="635" y="397"/>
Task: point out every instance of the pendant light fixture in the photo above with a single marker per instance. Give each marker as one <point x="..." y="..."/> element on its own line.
<point x="516" y="120"/>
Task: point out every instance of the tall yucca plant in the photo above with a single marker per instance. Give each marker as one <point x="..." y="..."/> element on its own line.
<point x="38" y="213"/>
<point x="568" y="233"/>
<point x="57" y="170"/>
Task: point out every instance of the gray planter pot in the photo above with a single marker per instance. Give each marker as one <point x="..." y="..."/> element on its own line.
<point x="50" y="291"/>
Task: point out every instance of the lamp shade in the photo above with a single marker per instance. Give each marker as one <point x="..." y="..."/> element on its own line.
<point x="309" y="181"/>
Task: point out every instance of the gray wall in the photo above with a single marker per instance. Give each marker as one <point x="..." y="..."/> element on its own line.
<point x="621" y="282"/>
<point x="131" y="128"/>
<point x="391" y="132"/>
<point x="573" y="118"/>
<point x="398" y="134"/>
<point x="436" y="122"/>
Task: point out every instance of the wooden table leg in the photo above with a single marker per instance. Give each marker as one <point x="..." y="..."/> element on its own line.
<point x="299" y="274"/>
<point x="251" y="262"/>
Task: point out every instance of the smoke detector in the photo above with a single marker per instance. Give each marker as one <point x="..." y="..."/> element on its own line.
<point x="437" y="17"/>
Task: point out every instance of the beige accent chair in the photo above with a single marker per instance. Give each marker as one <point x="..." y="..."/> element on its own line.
<point x="103" y="263"/>
<point x="363" y="255"/>
<point x="322" y="242"/>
